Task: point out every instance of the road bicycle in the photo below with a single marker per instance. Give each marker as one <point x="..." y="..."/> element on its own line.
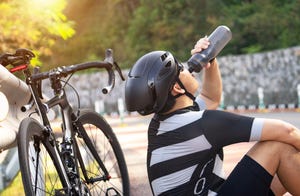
<point x="84" y="156"/>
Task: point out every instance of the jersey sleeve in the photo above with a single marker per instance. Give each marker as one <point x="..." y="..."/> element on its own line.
<point x="256" y="129"/>
<point x="225" y="128"/>
<point x="200" y="102"/>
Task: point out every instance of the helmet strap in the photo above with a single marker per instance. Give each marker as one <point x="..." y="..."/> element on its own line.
<point x="190" y="95"/>
<point x="171" y="98"/>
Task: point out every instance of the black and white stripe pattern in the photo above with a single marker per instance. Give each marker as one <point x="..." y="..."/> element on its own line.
<point x="184" y="158"/>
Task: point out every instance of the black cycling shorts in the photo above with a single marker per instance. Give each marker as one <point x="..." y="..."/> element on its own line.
<point x="247" y="178"/>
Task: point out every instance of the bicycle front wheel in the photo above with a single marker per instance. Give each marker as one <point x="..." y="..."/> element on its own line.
<point x="39" y="164"/>
<point x="103" y="167"/>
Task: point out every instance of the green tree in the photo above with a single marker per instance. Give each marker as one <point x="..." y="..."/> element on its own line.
<point x="262" y="25"/>
<point x="99" y="25"/>
<point x="33" y="24"/>
<point x="133" y="27"/>
<point x="168" y="25"/>
<point x="257" y="25"/>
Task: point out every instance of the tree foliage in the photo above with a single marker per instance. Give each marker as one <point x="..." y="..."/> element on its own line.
<point x="33" y="24"/>
<point x="134" y="27"/>
<point x="100" y="24"/>
<point x="161" y="25"/>
<point x="176" y="25"/>
<point x="262" y="25"/>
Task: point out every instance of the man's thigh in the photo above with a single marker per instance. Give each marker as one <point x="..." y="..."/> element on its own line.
<point x="247" y="178"/>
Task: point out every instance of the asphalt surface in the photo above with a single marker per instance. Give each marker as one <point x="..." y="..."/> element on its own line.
<point x="132" y="134"/>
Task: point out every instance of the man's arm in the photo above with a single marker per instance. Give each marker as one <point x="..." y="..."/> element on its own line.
<point x="211" y="91"/>
<point x="281" y="131"/>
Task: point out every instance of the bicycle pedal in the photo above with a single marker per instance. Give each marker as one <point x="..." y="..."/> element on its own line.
<point x="112" y="192"/>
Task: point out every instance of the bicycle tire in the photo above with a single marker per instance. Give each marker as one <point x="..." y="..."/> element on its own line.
<point x="96" y="139"/>
<point x="42" y="175"/>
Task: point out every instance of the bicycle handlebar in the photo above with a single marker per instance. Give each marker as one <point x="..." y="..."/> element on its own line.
<point x="23" y="56"/>
<point x="66" y="70"/>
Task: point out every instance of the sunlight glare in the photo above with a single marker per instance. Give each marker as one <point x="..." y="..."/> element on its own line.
<point x="43" y="3"/>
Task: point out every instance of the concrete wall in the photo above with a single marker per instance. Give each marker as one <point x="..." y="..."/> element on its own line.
<point x="277" y="72"/>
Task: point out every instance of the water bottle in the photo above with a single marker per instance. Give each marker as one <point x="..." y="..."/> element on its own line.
<point x="218" y="39"/>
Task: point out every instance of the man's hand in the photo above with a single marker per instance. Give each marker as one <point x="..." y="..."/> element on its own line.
<point x="201" y="45"/>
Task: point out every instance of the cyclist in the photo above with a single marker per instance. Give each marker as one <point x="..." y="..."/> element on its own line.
<point x="186" y="137"/>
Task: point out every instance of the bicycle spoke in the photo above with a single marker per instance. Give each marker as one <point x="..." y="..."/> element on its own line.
<point x="43" y="171"/>
<point x="101" y="142"/>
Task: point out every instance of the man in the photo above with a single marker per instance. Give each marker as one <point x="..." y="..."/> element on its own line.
<point x="186" y="137"/>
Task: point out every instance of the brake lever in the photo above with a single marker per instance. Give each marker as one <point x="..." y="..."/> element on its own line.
<point x="109" y="58"/>
<point x="117" y="67"/>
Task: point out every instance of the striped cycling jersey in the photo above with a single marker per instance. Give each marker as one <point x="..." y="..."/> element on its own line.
<point x="185" y="155"/>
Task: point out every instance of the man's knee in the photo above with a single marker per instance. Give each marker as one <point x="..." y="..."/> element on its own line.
<point x="269" y="154"/>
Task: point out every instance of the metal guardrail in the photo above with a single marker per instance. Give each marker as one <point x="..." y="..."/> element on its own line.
<point x="9" y="167"/>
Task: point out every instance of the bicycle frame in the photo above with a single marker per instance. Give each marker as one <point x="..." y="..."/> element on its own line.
<point x="69" y="147"/>
<point x="69" y="161"/>
<point x="61" y="100"/>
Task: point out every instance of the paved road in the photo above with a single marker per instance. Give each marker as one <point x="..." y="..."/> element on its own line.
<point x="132" y="133"/>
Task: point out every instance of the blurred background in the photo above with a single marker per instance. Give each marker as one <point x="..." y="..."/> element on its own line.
<point x="263" y="52"/>
<point x="260" y="66"/>
<point x="63" y="32"/>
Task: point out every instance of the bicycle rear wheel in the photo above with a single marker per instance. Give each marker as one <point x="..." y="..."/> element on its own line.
<point x="41" y="173"/>
<point x="98" y="146"/>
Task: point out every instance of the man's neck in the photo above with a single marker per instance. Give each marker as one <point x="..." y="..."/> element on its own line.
<point x="181" y="102"/>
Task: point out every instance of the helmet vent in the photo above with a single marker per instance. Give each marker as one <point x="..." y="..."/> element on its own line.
<point x="164" y="56"/>
<point x="168" y="64"/>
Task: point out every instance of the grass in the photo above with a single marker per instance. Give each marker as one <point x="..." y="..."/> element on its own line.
<point x="15" y="188"/>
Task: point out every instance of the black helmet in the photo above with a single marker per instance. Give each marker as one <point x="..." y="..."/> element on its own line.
<point x="149" y="82"/>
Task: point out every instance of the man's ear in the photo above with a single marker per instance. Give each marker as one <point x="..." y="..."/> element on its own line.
<point x="177" y="89"/>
